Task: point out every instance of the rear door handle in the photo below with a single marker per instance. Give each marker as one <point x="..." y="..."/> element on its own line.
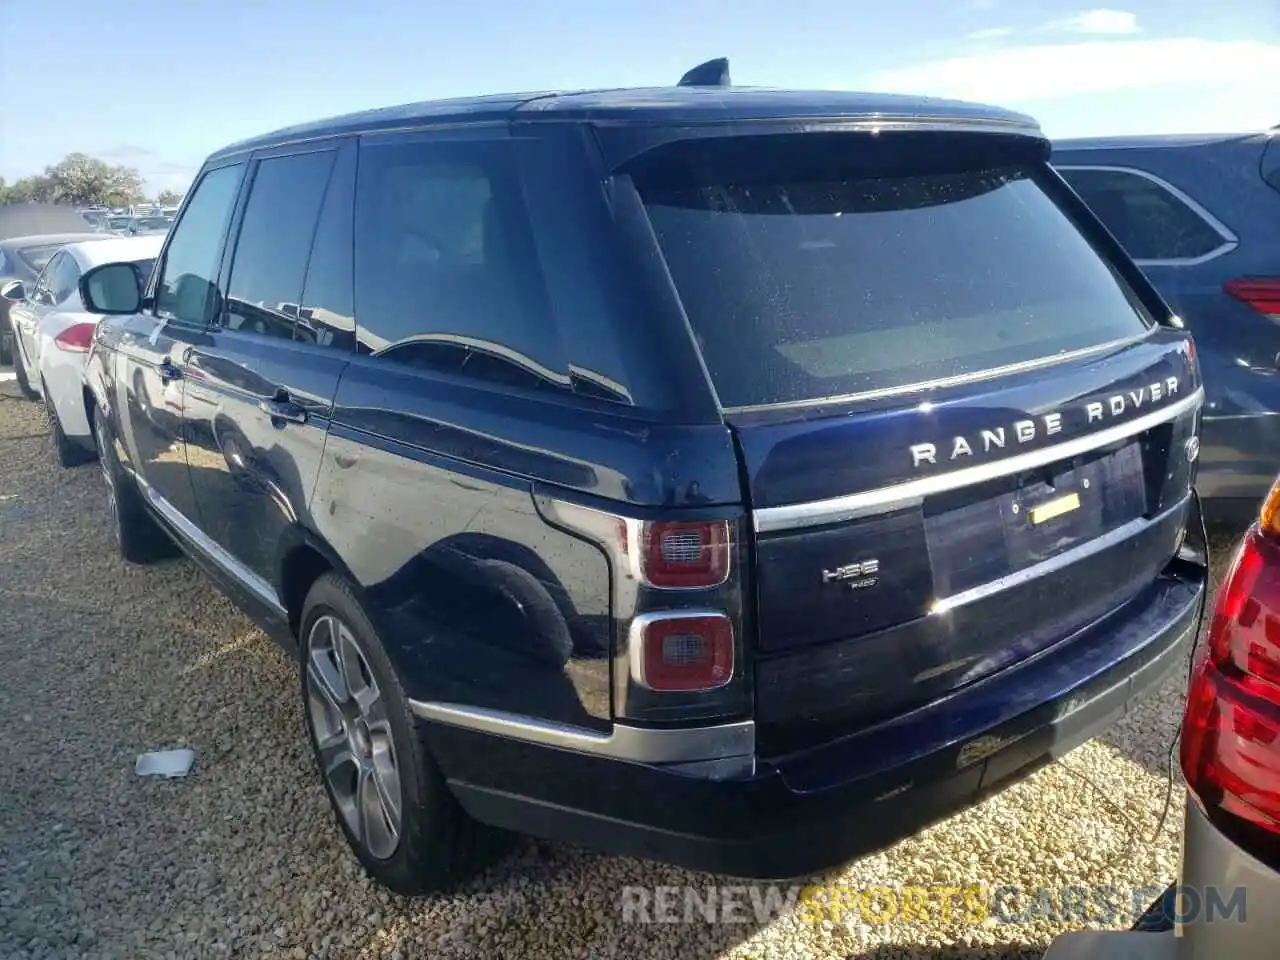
<point x="283" y="411"/>
<point x="168" y="371"/>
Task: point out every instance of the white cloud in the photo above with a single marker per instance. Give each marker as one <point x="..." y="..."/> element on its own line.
<point x="989" y="33"/>
<point x="1101" y="21"/>
<point x="1046" y="71"/>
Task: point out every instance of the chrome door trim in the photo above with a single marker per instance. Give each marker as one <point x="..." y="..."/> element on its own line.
<point x="636" y="744"/>
<point x="198" y="539"/>
<point x="912" y="492"/>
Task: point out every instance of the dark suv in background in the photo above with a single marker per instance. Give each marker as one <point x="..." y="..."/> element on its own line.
<point x="1201" y="216"/>
<point x="739" y="478"/>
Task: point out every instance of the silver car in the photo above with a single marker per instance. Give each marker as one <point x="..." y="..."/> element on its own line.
<point x="1226" y="903"/>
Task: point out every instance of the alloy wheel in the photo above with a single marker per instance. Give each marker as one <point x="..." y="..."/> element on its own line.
<point x="352" y="733"/>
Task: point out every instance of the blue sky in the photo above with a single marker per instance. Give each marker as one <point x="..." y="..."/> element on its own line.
<point x="158" y="85"/>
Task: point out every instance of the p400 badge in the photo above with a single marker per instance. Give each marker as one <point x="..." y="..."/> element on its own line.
<point x="856" y="576"/>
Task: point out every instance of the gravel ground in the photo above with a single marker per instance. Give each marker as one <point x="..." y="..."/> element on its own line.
<point x="105" y="661"/>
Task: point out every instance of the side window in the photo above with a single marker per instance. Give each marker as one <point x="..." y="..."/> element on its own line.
<point x="1150" y="219"/>
<point x="270" y="265"/>
<point x="188" y="287"/>
<point x="447" y="276"/>
<point x="327" y="313"/>
<point x="63" y="278"/>
<point x="42" y="292"/>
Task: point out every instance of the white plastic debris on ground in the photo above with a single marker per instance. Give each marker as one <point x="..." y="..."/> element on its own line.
<point x="166" y="763"/>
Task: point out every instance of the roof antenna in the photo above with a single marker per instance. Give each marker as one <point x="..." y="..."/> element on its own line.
<point x="713" y="73"/>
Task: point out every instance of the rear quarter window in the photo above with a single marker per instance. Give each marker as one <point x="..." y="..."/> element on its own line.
<point x="1152" y="219"/>
<point x="1271" y="160"/>
<point x="830" y="282"/>
<point x="37" y="257"/>
<point x="447" y="274"/>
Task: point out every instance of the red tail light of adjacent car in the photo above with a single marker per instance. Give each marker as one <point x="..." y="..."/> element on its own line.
<point x="1261" y="293"/>
<point x="1231" y="730"/>
<point x="75" y="338"/>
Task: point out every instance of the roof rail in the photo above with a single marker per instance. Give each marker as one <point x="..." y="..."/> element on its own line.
<point x="713" y="73"/>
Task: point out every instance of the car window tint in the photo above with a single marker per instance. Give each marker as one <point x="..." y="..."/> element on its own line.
<point x="63" y="279"/>
<point x="37" y="257"/>
<point x="327" y="316"/>
<point x="42" y="291"/>
<point x="1150" y="222"/>
<point x="275" y="241"/>
<point x="803" y="284"/>
<point x="447" y="276"/>
<point x="188" y="287"/>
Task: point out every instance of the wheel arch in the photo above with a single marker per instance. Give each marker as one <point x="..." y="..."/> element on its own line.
<point x="304" y="558"/>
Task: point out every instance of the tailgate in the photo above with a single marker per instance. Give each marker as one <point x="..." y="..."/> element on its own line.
<point x="886" y="577"/>
<point x="964" y="434"/>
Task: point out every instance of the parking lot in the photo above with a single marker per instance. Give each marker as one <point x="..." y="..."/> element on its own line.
<point x="104" y="661"/>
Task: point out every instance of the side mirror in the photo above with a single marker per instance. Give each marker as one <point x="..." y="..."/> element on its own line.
<point x="112" y="289"/>
<point x="14" y="291"/>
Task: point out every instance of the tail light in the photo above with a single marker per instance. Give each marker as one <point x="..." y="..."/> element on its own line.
<point x="1231" y="730"/>
<point x="685" y="555"/>
<point x="681" y="651"/>
<point x="677" y="607"/>
<point x="1261" y="293"/>
<point x="75" y="338"/>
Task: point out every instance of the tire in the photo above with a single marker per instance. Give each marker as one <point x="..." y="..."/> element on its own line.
<point x="20" y="371"/>
<point x="363" y="734"/>
<point x="138" y="536"/>
<point x="1158" y="918"/>
<point x="65" y="452"/>
<point x="6" y="342"/>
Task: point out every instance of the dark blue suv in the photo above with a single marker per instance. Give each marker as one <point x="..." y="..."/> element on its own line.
<point x="1201" y="216"/>
<point x="738" y="478"/>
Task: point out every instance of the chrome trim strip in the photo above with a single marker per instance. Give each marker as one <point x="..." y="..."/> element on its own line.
<point x="1229" y="240"/>
<point x="1054" y="564"/>
<point x="924" y="386"/>
<point x="870" y="122"/>
<point x="912" y="492"/>
<point x="636" y="744"/>
<point x="635" y="636"/>
<point x="1240" y="416"/>
<point x="233" y="567"/>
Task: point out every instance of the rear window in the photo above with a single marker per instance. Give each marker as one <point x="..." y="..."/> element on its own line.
<point x="833" y="282"/>
<point x="37" y="257"/>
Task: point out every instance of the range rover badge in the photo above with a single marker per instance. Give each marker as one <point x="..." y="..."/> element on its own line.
<point x="1193" y="449"/>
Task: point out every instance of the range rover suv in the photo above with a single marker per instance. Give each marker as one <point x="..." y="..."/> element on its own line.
<point x="742" y="479"/>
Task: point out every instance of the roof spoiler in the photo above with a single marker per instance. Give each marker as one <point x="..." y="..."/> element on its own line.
<point x="713" y="73"/>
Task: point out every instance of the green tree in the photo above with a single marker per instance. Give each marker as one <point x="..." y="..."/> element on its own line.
<point x="81" y="179"/>
<point x="29" y="190"/>
<point x="166" y="198"/>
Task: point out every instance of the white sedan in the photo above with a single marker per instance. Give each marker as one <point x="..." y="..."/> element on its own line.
<point x="52" y="332"/>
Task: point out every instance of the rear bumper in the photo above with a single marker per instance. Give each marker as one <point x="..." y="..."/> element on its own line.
<point x="63" y="373"/>
<point x="1212" y="861"/>
<point x="814" y="810"/>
